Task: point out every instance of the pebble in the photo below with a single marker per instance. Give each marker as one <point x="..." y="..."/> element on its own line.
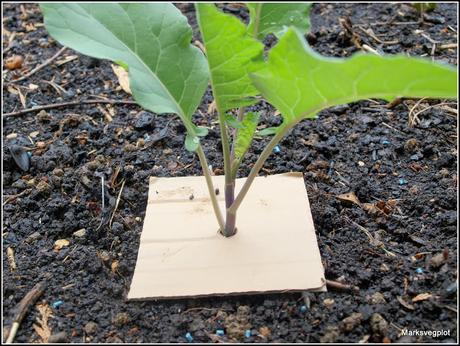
<point x="43" y="187"/>
<point x="43" y="117"/>
<point x="60" y="337"/>
<point x="277" y="149"/>
<point x="80" y="233"/>
<point x="411" y="144"/>
<point x="144" y="121"/>
<point x="402" y="181"/>
<point x="331" y="334"/>
<point x="378" y="324"/>
<point x="351" y="322"/>
<point x="104" y="255"/>
<point x="303" y="308"/>
<point x="189" y="337"/>
<point x="90" y="328"/>
<point x="120" y="319"/>
<point x="57" y="304"/>
<point x="328" y="302"/>
<point x="439" y="259"/>
<point x="33" y="237"/>
<point x="377" y="298"/>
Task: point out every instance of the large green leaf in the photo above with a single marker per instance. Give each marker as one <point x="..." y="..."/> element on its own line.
<point x="274" y="18"/>
<point x="232" y="54"/>
<point x="300" y="82"/>
<point x="166" y="73"/>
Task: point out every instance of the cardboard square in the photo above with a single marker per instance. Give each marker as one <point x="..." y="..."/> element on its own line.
<point x="182" y="254"/>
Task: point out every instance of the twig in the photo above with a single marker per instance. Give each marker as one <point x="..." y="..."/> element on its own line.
<point x="118" y="201"/>
<point x="39" y="67"/>
<point x="391" y="127"/>
<point x="21" y="309"/>
<point x="67" y="104"/>
<point x="341" y="286"/>
<point x="413" y="119"/>
<point x="13" y="197"/>
<point x="434" y="106"/>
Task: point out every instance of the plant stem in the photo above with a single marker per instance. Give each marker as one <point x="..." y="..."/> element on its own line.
<point x="257" y="20"/>
<point x="257" y="166"/>
<point x="234" y="165"/>
<point x="212" y="193"/>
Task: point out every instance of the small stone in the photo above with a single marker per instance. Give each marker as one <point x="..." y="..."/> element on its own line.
<point x="331" y="334"/>
<point x="58" y="172"/>
<point x="439" y="259"/>
<point x="377" y="298"/>
<point x="12" y="136"/>
<point x="43" y="187"/>
<point x="130" y="148"/>
<point x="410" y="145"/>
<point x="144" y="121"/>
<point x="379" y="325"/>
<point x="33" y="237"/>
<point x="40" y="145"/>
<point x="328" y="302"/>
<point x="90" y="328"/>
<point x="60" y="243"/>
<point x="120" y="319"/>
<point x="80" y="233"/>
<point x="43" y="117"/>
<point x="60" y="337"/>
<point x="351" y="322"/>
<point x="104" y="256"/>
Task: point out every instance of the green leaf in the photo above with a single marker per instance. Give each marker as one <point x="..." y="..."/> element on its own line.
<point x="166" y="73"/>
<point x="269" y="131"/>
<point x="245" y="134"/>
<point x="232" y="54"/>
<point x="191" y="142"/>
<point x="300" y="82"/>
<point x="423" y="7"/>
<point x="231" y="121"/>
<point x="201" y="131"/>
<point x="274" y="18"/>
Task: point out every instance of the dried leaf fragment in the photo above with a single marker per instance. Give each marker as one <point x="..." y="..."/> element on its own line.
<point x="421" y="297"/>
<point x="41" y="327"/>
<point x="349" y="197"/>
<point x="123" y="77"/>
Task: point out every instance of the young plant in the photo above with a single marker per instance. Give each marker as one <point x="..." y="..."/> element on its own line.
<point x="169" y="75"/>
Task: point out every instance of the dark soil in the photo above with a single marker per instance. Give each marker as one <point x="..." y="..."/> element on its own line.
<point x="405" y="170"/>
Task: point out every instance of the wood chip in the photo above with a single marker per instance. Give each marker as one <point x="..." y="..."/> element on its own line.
<point x="60" y="243"/>
<point x="11" y="260"/>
